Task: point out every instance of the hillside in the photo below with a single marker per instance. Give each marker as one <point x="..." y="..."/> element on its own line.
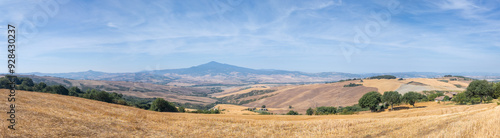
<point x="304" y="96"/>
<point x="50" y="115"/>
<point x="137" y="89"/>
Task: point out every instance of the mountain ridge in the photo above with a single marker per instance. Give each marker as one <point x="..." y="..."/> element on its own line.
<point x="220" y="73"/>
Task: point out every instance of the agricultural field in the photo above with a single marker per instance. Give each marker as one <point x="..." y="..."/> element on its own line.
<point x="51" y="115"/>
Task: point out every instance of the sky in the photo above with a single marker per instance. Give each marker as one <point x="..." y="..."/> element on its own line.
<point x="352" y="36"/>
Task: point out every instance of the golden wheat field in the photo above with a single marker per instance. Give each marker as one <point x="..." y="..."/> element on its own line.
<point x="51" y="115"/>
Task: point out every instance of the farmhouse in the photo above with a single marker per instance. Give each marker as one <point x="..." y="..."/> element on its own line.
<point x="440" y="98"/>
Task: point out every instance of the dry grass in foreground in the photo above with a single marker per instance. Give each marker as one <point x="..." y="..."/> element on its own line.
<point x="50" y="115"/>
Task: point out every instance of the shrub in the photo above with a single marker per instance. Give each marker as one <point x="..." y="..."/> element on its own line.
<point x="263" y="106"/>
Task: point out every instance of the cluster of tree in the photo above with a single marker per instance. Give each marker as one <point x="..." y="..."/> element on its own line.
<point x="481" y="90"/>
<point x="325" y="110"/>
<point x="291" y="112"/>
<point x="352" y="85"/>
<point x="373" y="99"/>
<point x="383" y="77"/>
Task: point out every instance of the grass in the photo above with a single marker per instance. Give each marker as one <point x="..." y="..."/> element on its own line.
<point x="50" y="115"/>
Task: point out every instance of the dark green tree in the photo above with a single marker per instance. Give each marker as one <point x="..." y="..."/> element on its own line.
<point x="291" y="112"/>
<point x="481" y="88"/>
<point x="75" y="91"/>
<point x="182" y="109"/>
<point x="160" y="105"/>
<point x="59" y="89"/>
<point x="411" y="98"/>
<point x="310" y="111"/>
<point x="496" y="91"/>
<point x="460" y="98"/>
<point x="370" y="100"/>
<point x="391" y="98"/>
<point x="263" y="106"/>
<point x="40" y="87"/>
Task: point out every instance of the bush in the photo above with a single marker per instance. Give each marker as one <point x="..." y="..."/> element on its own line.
<point x="291" y="112"/>
<point x="161" y="105"/>
<point x="263" y="106"/>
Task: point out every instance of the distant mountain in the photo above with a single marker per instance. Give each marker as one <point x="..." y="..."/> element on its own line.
<point x="214" y="73"/>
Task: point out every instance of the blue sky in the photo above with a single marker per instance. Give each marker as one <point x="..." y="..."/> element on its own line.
<point x="309" y="36"/>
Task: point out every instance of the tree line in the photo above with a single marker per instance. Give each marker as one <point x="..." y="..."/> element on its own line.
<point x="478" y="91"/>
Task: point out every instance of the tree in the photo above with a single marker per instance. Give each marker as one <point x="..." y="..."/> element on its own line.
<point x="431" y="97"/>
<point x="496" y="90"/>
<point x="290" y="107"/>
<point x="59" y="89"/>
<point x="182" y="109"/>
<point x="74" y="91"/>
<point x="40" y="87"/>
<point x="446" y="98"/>
<point x="324" y="110"/>
<point x="411" y="97"/>
<point x="310" y="111"/>
<point x="460" y="98"/>
<point x="263" y="106"/>
<point x="481" y="88"/>
<point x="370" y="100"/>
<point x="160" y="105"/>
<point x="391" y="97"/>
<point x="291" y="112"/>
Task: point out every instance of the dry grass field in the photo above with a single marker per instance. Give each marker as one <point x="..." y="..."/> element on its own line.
<point x="50" y="115"/>
<point x="304" y="96"/>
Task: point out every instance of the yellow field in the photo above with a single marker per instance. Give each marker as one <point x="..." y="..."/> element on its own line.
<point x="50" y="115"/>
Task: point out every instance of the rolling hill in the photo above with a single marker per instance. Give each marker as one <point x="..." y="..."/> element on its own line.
<point x="51" y="115"/>
<point x="136" y="89"/>
<point x="215" y="73"/>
